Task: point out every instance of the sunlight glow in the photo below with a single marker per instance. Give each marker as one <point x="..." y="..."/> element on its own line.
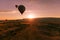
<point x="30" y="16"/>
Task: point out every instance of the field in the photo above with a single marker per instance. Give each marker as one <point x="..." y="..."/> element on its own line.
<point x="30" y="29"/>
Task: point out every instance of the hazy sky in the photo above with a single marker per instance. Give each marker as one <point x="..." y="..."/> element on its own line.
<point x="39" y="8"/>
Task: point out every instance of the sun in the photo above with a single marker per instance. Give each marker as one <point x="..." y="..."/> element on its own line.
<point x="30" y="16"/>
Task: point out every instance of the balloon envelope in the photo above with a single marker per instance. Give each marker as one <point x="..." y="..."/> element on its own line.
<point x="21" y="8"/>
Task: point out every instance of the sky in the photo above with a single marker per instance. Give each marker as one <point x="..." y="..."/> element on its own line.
<point x="38" y="8"/>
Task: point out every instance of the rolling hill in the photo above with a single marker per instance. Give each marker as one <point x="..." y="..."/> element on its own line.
<point x="30" y="29"/>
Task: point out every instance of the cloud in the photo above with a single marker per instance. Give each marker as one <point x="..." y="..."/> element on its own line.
<point x="47" y="1"/>
<point x="8" y="11"/>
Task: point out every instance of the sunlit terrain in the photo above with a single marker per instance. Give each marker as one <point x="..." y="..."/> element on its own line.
<point x="35" y="29"/>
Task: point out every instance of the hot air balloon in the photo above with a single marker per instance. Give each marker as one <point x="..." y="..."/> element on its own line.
<point x="21" y="8"/>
